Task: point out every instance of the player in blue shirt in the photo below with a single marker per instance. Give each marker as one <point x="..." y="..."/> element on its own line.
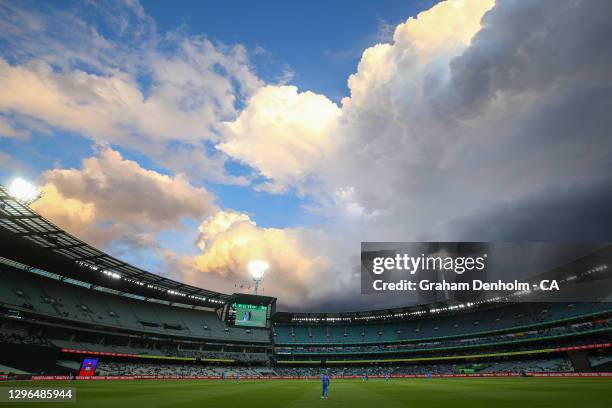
<point x="325" y="385"/>
<point x="237" y="378"/>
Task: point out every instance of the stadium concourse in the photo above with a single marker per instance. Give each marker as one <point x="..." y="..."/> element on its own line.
<point x="70" y="310"/>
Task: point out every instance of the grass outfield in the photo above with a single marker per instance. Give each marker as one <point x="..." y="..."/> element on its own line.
<point x="448" y="393"/>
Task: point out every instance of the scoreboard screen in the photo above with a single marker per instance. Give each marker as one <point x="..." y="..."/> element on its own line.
<point x="248" y="315"/>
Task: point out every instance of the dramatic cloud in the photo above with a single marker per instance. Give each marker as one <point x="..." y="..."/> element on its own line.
<point x="114" y="198"/>
<point x="73" y="215"/>
<point x="113" y="202"/>
<point x="159" y="94"/>
<point x="230" y="240"/>
<point x="420" y="48"/>
<point x="567" y="214"/>
<point x="479" y="120"/>
<point x="519" y="109"/>
<point x="472" y="103"/>
<point x="285" y="134"/>
<point x="186" y="97"/>
<point x="473" y="113"/>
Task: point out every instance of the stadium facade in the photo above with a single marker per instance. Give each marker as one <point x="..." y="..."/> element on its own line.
<point x="67" y="308"/>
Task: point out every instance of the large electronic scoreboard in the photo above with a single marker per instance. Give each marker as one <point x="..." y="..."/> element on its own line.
<point x="245" y="310"/>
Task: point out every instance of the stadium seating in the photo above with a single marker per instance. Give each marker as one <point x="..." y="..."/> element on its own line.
<point x="194" y="341"/>
<point x="123" y="368"/>
<point x="541" y="365"/>
<point x="6" y="369"/>
<point x="466" y="324"/>
<point x="515" y="366"/>
<point x="563" y="330"/>
<point x="54" y="298"/>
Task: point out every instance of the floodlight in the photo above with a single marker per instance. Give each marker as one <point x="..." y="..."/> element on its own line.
<point x="257" y="269"/>
<point x="24" y="191"/>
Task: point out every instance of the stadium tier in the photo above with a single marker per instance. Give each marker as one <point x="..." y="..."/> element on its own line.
<point x="496" y="320"/>
<point x="43" y="311"/>
<point x="65" y="304"/>
<point x="54" y="299"/>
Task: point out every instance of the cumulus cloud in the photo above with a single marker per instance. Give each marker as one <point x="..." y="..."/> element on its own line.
<point x="137" y="88"/>
<point x="283" y="133"/>
<point x="114" y="198"/>
<point x="471" y="103"/>
<point x="114" y="203"/>
<point x="420" y="46"/>
<point x="293" y="138"/>
<point x="230" y="240"/>
<point x="474" y="113"/>
<point x="73" y="215"/>
<point x="218" y="224"/>
<point x="515" y="108"/>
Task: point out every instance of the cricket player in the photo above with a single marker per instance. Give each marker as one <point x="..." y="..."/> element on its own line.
<point x="325" y="385"/>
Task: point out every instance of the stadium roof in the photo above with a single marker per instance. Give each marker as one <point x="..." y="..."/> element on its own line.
<point x="28" y="237"/>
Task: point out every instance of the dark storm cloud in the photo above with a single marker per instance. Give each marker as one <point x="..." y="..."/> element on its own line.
<point x="577" y="213"/>
<point x="529" y="46"/>
<point x="461" y="128"/>
<point x="507" y="139"/>
<point x="524" y="107"/>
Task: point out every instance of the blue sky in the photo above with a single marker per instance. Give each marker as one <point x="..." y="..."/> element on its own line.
<point x="319" y="41"/>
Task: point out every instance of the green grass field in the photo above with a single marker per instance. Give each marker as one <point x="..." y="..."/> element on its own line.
<point x="448" y="393"/>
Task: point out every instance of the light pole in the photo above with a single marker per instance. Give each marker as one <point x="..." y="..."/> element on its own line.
<point x="257" y="269"/>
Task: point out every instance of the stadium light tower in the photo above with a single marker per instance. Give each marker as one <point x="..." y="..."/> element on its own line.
<point x="24" y="191"/>
<point x="257" y="270"/>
